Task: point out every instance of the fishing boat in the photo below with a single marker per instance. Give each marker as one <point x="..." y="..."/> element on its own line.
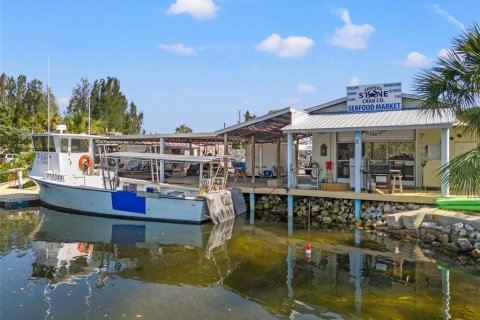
<point x="71" y="180"/>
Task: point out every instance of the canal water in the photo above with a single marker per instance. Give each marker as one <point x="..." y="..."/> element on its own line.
<point x="60" y="266"/>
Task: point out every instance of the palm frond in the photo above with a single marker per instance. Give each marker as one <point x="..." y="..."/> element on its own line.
<point x="463" y="173"/>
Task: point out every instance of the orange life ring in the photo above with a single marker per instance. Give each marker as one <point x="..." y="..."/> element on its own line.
<point x="85" y="162"/>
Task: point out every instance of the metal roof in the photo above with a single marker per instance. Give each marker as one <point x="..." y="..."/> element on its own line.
<point x="196" y="138"/>
<point x="381" y="120"/>
<point x="267" y="128"/>
<point x="166" y="157"/>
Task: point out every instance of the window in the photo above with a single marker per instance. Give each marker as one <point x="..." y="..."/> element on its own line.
<point x="40" y="143"/>
<point x="79" y="145"/>
<point x="63" y="145"/>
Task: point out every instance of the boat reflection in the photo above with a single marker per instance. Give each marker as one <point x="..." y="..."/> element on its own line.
<point x="70" y="246"/>
<point x="258" y="270"/>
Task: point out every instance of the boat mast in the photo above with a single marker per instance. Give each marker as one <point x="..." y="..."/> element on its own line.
<point x="48" y="114"/>
<point x="89" y="115"/>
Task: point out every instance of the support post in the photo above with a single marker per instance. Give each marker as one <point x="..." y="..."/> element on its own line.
<point x="20" y="179"/>
<point x="278" y="173"/>
<point x="225" y="163"/>
<point x="358" y="173"/>
<point x="290" y="214"/>
<point x="162" y="163"/>
<point x="252" y="208"/>
<point x="252" y="142"/>
<point x="295" y="156"/>
<point x="290" y="184"/>
<point x="445" y="159"/>
<point x="290" y="270"/>
<point x="356" y="262"/>
<point x="290" y="161"/>
<point x="446" y="293"/>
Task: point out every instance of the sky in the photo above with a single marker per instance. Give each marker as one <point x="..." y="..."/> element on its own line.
<point x="200" y="62"/>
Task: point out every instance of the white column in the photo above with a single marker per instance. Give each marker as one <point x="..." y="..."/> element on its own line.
<point x="252" y="142"/>
<point x="445" y="160"/>
<point x="290" y="160"/>
<point x="162" y="164"/>
<point x="358" y="162"/>
<point x="225" y="152"/>
<point x="357" y="173"/>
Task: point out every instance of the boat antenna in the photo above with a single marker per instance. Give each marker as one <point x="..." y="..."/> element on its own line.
<point x="48" y="113"/>
<point x="89" y="115"/>
<point x="89" y="97"/>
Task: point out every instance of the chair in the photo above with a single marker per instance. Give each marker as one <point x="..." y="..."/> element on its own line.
<point x="397" y="177"/>
<point x="240" y="172"/>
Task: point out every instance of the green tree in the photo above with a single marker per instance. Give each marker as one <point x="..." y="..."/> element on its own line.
<point x="109" y="109"/>
<point x="24" y="104"/>
<point x="455" y="82"/>
<point x="183" y="128"/>
<point x="7" y="99"/>
<point x="247" y="116"/>
<point x="273" y="111"/>
<point x="133" y="120"/>
<point x="80" y="95"/>
<point x="14" y="139"/>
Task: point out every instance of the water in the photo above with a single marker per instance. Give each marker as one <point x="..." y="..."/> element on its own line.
<point x="60" y="266"/>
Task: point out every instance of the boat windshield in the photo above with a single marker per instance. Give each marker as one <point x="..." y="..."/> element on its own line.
<point x="40" y="143"/>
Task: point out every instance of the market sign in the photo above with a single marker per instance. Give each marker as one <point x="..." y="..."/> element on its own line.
<point x="374" y="97"/>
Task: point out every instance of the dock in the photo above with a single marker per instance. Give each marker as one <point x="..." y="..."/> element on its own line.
<point x="11" y="197"/>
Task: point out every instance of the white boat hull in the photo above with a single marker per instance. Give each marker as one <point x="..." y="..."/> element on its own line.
<point x="122" y="204"/>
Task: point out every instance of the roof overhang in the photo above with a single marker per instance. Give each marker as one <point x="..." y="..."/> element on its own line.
<point x="174" y="138"/>
<point x="264" y="129"/>
<point x="382" y="120"/>
<point x="166" y="157"/>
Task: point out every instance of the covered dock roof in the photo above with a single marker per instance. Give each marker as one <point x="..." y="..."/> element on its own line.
<point x="194" y="138"/>
<point x="264" y="129"/>
<point x="166" y="157"/>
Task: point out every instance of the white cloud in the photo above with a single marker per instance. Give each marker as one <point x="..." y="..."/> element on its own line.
<point x="351" y="36"/>
<point x="63" y="102"/>
<point x="415" y="59"/>
<point x="199" y="9"/>
<point x="290" y="47"/>
<point x="177" y="48"/>
<point x="305" y="88"/>
<point x="443" y="53"/>
<point x="445" y="14"/>
<point x="354" y="81"/>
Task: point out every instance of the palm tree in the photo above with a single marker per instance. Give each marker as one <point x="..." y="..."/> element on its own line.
<point x="455" y="82"/>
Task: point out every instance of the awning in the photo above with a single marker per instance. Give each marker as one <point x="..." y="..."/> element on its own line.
<point x="185" y="138"/>
<point x="265" y="129"/>
<point x="382" y="120"/>
<point x="167" y="157"/>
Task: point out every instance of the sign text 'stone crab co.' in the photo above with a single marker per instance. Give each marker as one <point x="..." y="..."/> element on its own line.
<point x="376" y="97"/>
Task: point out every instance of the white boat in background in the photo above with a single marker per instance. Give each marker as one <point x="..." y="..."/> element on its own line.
<point x="69" y="180"/>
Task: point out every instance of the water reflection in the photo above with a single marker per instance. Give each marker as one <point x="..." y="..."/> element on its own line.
<point x="91" y="268"/>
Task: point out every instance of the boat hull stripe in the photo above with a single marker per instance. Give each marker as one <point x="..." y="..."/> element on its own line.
<point x="128" y="201"/>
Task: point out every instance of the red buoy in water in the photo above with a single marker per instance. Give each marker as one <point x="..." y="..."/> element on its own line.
<point x="308" y="252"/>
<point x="308" y="248"/>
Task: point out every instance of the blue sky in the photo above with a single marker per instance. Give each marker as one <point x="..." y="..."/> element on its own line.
<point x="199" y="62"/>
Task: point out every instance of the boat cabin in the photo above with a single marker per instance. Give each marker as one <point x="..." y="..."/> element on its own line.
<point x="60" y="154"/>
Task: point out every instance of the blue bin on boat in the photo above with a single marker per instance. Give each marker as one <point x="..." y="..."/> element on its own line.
<point x="267" y="174"/>
<point x="149" y="189"/>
